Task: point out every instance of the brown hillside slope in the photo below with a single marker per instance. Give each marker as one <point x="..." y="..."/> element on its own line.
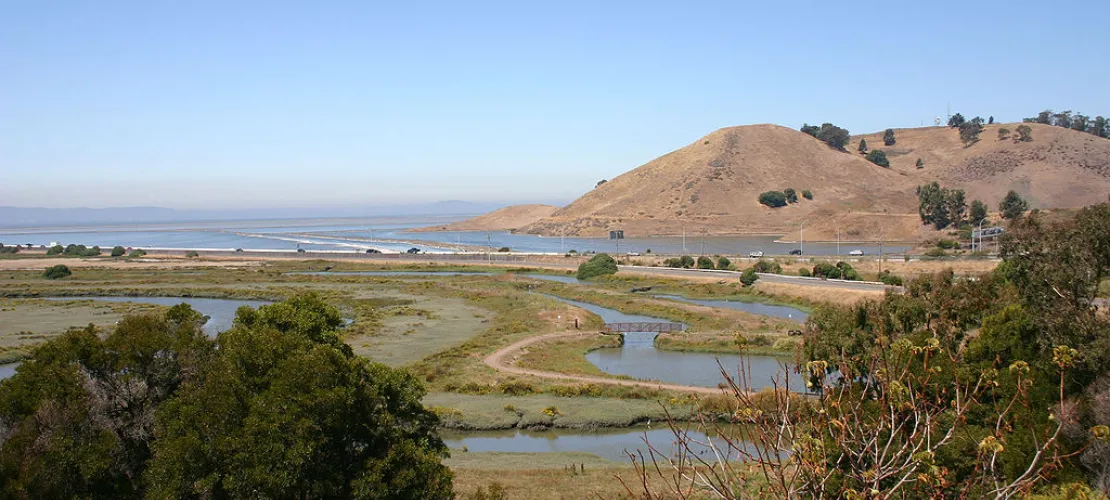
<point x="1059" y="168"/>
<point x="502" y="219"/>
<point x="712" y="185"/>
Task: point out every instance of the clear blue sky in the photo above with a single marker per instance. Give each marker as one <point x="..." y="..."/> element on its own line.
<point x="271" y="103"/>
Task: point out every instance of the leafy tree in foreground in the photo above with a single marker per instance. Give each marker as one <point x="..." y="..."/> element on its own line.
<point x="879" y="158"/>
<point x="598" y="265"/>
<point x="276" y="407"/>
<point x="1012" y="206"/>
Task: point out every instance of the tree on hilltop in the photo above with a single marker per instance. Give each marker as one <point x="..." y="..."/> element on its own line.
<point x="834" y="136"/>
<point x="956" y="120"/>
<point x="888" y="137"/>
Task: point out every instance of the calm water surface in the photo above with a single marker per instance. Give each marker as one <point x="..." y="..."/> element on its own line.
<point x="785" y="312"/>
<point x="391" y="273"/>
<point x="638" y="358"/>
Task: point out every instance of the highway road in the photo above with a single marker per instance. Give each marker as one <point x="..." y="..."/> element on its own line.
<point x="770" y="278"/>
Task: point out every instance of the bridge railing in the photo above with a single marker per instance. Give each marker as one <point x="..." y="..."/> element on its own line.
<point x="651" y="327"/>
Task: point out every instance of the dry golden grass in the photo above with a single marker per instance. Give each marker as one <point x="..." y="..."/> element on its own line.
<point x="816" y="294"/>
<point x="711" y="186"/>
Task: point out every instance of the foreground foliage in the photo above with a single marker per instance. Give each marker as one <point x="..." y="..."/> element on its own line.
<point x="990" y="388"/>
<point x="275" y="407"/>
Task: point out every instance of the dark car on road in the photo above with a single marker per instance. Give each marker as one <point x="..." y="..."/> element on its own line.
<point x="796" y="251"/>
<point x="373" y="250"/>
<point x="413" y="250"/>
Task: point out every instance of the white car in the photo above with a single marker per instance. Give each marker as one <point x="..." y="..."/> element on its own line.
<point x="758" y="254"/>
<point x="856" y="252"/>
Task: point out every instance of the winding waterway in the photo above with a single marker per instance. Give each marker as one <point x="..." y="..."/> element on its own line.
<point x="610" y="444"/>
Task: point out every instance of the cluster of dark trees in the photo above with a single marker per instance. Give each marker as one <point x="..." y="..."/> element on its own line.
<point x="836" y="137"/>
<point x="775" y="199"/>
<point x="840" y="270"/>
<point x="72" y="250"/>
<point x="1098" y="126"/>
<point x="969" y="129"/>
<point x="943" y="207"/>
<point x="9" y="248"/>
<point x="276" y="407"/>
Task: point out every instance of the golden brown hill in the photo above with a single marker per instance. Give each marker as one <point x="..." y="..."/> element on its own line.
<point x="502" y="219"/>
<point x="712" y="186"/>
<point x="1059" y="168"/>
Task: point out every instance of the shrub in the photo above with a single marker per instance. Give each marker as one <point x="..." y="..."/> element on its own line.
<point x="890" y="279"/>
<point x="784" y="345"/>
<point x="791" y="195"/>
<point x="723" y="263"/>
<point x="888" y="137"/>
<point x="55" y="250"/>
<point x="1025" y="133"/>
<point x="192" y="254"/>
<point x="672" y="262"/>
<point x="1003" y="133"/>
<point x="118" y="251"/>
<point x="551" y="411"/>
<point x="920" y="163"/>
<point x="834" y="136"/>
<point x="598" y="265"/>
<point x="9" y="249"/>
<point x="57" y="272"/>
<point x="687" y="261"/>
<point x="804" y="271"/>
<point x="936" y="252"/>
<point x="705" y="262"/>
<point x="773" y="199"/>
<point x="847" y="272"/>
<point x="862" y="147"/>
<point x="807" y="194"/>
<point x="748" y="277"/>
<point x="948" y="244"/>
<point x="879" y="158"/>
<point x="503" y="249"/>
<point x="826" y="270"/>
<point x="138" y="252"/>
<point x="764" y="266"/>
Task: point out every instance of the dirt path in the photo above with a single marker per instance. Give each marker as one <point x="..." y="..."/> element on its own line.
<point x="502" y="360"/>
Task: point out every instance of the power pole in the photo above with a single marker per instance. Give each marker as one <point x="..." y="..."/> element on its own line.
<point x="489" y="247"/>
<point x="801" y="238"/>
<point x="683" y="239"/>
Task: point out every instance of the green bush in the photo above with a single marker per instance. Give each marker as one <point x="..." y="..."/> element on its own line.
<point x="192" y="254"/>
<point x="9" y="249"/>
<point x="137" y="253"/>
<point x="773" y="199"/>
<point x="948" y="244"/>
<point x="598" y="265"/>
<point x="503" y="249"/>
<point x="807" y="194"/>
<point x="705" y="262"/>
<point x="748" y="277"/>
<point x="764" y="266"/>
<point x="57" y="272"/>
<point x="55" y="250"/>
<point x="723" y="262"/>
<point x="674" y="262"/>
<point x="936" y="252"/>
<point x="878" y="157"/>
<point x="118" y="251"/>
<point x="687" y="261"/>
<point x="791" y="195"/>
<point x="826" y="270"/>
<point x="804" y="271"/>
<point x="890" y="279"/>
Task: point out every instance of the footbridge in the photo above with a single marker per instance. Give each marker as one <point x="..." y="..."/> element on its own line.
<point x="652" y="327"/>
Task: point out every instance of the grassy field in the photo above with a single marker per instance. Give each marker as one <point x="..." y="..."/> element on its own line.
<point x="500" y="411"/>
<point x="406" y="334"/>
<point x="728" y="343"/>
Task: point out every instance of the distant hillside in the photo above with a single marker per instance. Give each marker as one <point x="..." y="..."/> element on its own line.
<point x="504" y="219"/>
<point x="712" y="186"/>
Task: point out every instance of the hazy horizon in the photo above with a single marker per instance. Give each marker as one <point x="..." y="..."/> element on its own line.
<point x="253" y="105"/>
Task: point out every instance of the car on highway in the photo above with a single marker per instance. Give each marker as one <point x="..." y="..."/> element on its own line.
<point x="756" y="254"/>
<point x="796" y="251"/>
<point x="373" y="250"/>
<point x="856" y="252"/>
<point x="413" y="250"/>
